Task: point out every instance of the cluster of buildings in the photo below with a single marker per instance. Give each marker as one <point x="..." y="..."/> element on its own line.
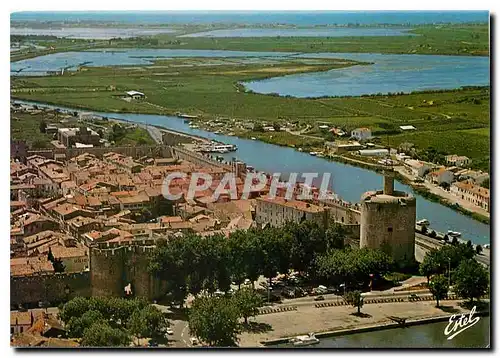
<point x="463" y="183"/>
<point x="85" y="225"/>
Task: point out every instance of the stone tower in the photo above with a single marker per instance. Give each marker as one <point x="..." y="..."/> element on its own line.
<point x="388" y="221"/>
<point x="116" y="265"/>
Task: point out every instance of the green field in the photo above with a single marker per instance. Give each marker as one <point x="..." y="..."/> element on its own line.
<point x="455" y="122"/>
<point x="457" y="39"/>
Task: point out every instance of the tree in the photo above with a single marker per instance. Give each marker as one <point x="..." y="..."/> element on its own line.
<point x="248" y="302"/>
<point x="77" y="325"/>
<point x="148" y="322"/>
<point x="214" y="320"/>
<point x="236" y="243"/>
<point x="58" y="265"/>
<point x="168" y="262"/>
<point x="257" y="127"/>
<point x="454" y="241"/>
<point x="479" y="249"/>
<point x="335" y="237"/>
<point x="50" y="256"/>
<point x="43" y="127"/>
<point x="74" y="308"/>
<point x="486" y="183"/>
<point x="438" y="287"/>
<point x="424" y="229"/>
<point x="430" y="264"/>
<point x="432" y="234"/>
<point x="351" y="266"/>
<point x="471" y="280"/>
<point x="102" y="334"/>
<point x="355" y="299"/>
<point x="446" y="238"/>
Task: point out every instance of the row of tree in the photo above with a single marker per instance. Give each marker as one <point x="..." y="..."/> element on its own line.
<point x="108" y="322"/>
<point x="470" y="280"/>
<point x="194" y="264"/>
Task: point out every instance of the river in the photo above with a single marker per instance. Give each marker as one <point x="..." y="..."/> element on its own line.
<point x="348" y="181"/>
<point x="422" y="336"/>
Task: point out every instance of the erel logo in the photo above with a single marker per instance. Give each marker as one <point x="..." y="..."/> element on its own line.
<point x="457" y="324"/>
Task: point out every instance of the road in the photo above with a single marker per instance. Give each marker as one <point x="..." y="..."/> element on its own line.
<point x="428" y="243"/>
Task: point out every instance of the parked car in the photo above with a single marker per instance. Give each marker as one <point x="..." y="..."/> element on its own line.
<point x="170" y="331"/>
<point x="194" y="341"/>
<point x="319" y="298"/>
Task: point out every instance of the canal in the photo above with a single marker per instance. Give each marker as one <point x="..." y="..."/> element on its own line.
<point x="422" y="336"/>
<point x="348" y="181"/>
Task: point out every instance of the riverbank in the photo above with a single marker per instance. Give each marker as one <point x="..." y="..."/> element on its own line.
<point x="339" y="320"/>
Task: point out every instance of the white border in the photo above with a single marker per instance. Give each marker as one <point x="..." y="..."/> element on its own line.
<point x="34" y="5"/>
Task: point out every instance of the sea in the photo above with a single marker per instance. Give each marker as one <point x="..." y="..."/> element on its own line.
<point x="297" y="18"/>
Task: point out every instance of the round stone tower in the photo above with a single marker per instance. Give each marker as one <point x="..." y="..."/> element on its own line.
<point x="388" y="221"/>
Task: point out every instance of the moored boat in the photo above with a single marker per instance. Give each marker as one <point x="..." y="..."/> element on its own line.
<point x="305" y="340"/>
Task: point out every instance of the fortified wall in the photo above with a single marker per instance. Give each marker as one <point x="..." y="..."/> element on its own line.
<point x="199" y="159"/>
<point x="162" y="151"/>
<point x="53" y="288"/>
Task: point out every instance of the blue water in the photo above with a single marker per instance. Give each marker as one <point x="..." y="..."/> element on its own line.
<point x="330" y="32"/>
<point x="98" y="33"/>
<point x="389" y="73"/>
<point x="347" y="181"/>
<point x="301" y="18"/>
<point x="424" y="336"/>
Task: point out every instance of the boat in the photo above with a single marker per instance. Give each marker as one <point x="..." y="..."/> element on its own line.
<point x="313" y="153"/>
<point x="186" y="116"/>
<point x="454" y="233"/>
<point x="423" y="222"/>
<point x="305" y="340"/>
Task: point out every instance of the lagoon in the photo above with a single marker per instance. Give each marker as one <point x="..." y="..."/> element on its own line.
<point x="387" y="73"/>
<point x="97" y="33"/>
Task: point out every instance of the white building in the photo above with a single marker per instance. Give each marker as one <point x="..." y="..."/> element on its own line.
<point x="416" y="167"/>
<point x="361" y="133"/>
<point x="472" y="193"/>
<point x="278" y="211"/>
<point x="457" y="160"/>
<point x="373" y="152"/>
<point x="136" y="95"/>
<point x="439" y="176"/>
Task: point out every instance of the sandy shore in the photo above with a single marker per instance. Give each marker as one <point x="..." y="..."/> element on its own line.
<point x="310" y="319"/>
